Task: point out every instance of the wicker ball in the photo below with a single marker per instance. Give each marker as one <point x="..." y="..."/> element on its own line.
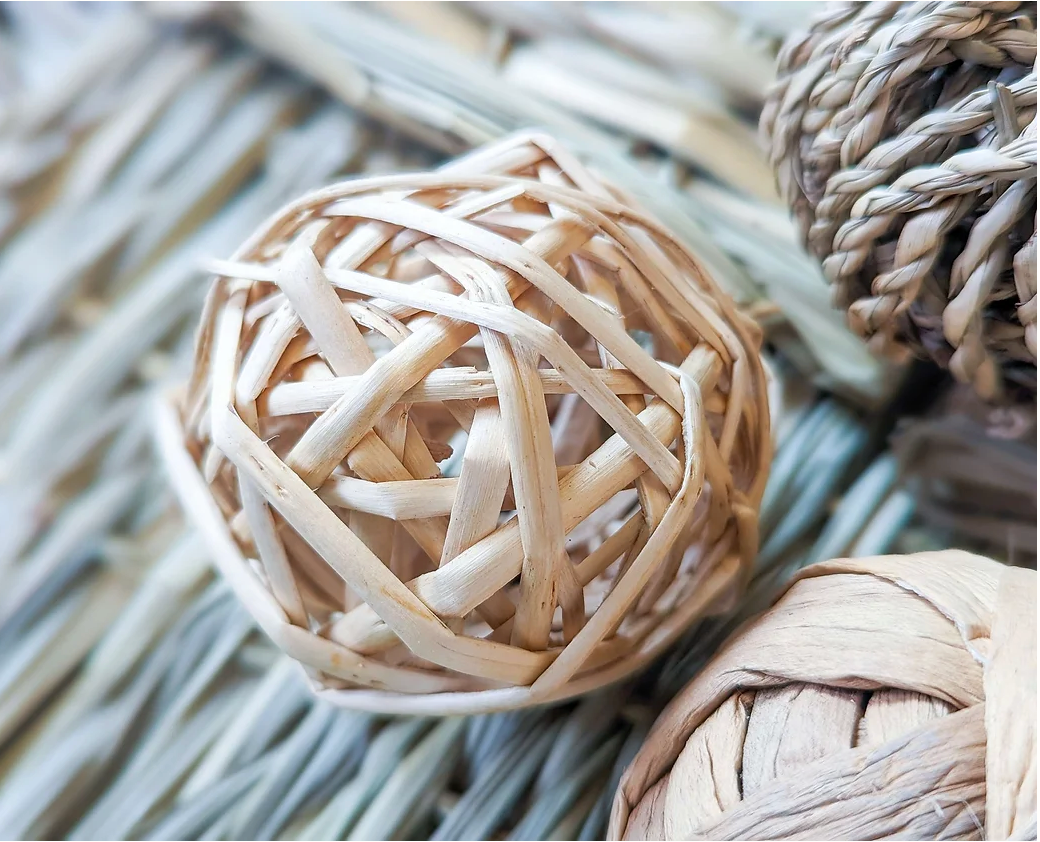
<point x="473" y="439"/>
<point x="903" y="136"/>
<point x="886" y="697"/>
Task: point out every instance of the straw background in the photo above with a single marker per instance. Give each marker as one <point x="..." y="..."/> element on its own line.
<point x="136" y="698"/>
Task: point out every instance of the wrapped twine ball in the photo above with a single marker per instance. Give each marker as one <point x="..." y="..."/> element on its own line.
<point x="472" y="439"/>
<point x="904" y="140"/>
<point x="891" y="697"/>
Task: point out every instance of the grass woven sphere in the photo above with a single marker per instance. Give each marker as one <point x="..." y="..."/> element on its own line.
<point x="891" y="697"/>
<point x="473" y="439"/>
<point x="904" y="140"/>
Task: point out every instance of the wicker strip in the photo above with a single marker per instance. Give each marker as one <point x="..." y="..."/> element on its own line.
<point x="886" y="697"/>
<point x="369" y="303"/>
<point x="904" y="139"/>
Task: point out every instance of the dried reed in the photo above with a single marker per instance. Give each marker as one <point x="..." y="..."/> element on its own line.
<point x="135" y="698"/>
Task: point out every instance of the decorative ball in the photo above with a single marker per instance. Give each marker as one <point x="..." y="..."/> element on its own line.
<point x="473" y="439"/>
<point x="886" y="697"/>
<point x="904" y="140"/>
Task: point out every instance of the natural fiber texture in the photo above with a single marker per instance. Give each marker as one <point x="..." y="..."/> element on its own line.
<point x="456" y="81"/>
<point x="377" y="328"/>
<point x="972" y="468"/>
<point x="136" y="697"/>
<point x="887" y="697"/>
<point x="904" y="140"/>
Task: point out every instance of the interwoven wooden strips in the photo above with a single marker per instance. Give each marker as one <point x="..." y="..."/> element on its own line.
<point x="473" y="439"/>
<point x="886" y="697"/>
<point x="904" y="139"/>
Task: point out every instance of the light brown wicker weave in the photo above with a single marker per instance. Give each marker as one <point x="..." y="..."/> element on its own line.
<point x="887" y="697"/>
<point x="904" y="140"/>
<point x="390" y="368"/>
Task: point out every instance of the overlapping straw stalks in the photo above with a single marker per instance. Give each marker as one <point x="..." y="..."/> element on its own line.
<point x="208" y="733"/>
<point x="657" y="123"/>
<point x="973" y="472"/>
<point x="136" y="699"/>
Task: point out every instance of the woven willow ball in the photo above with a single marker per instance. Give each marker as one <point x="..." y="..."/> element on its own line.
<point x="904" y="139"/>
<point x="473" y="439"/>
<point x="880" y="698"/>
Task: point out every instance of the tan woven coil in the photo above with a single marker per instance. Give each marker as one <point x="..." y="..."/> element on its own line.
<point x="473" y="439"/>
<point x="885" y="697"/>
<point x="903" y="136"/>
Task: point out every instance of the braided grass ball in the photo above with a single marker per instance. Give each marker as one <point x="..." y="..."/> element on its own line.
<point x="885" y="697"/>
<point x="473" y="439"/>
<point x="904" y="140"/>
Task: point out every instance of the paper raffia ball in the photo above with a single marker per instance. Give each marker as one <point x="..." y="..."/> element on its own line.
<point x="891" y="697"/>
<point x="472" y="439"/>
<point x="903" y="136"/>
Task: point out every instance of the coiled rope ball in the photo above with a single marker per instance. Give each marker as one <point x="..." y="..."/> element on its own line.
<point x="473" y="439"/>
<point x="904" y="140"/>
<point x="891" y="697"/>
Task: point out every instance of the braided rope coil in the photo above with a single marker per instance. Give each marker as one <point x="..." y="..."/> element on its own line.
<point x="473" y="439"/>
<point x="904" y="139"/>
<point x="886" y="697"/>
